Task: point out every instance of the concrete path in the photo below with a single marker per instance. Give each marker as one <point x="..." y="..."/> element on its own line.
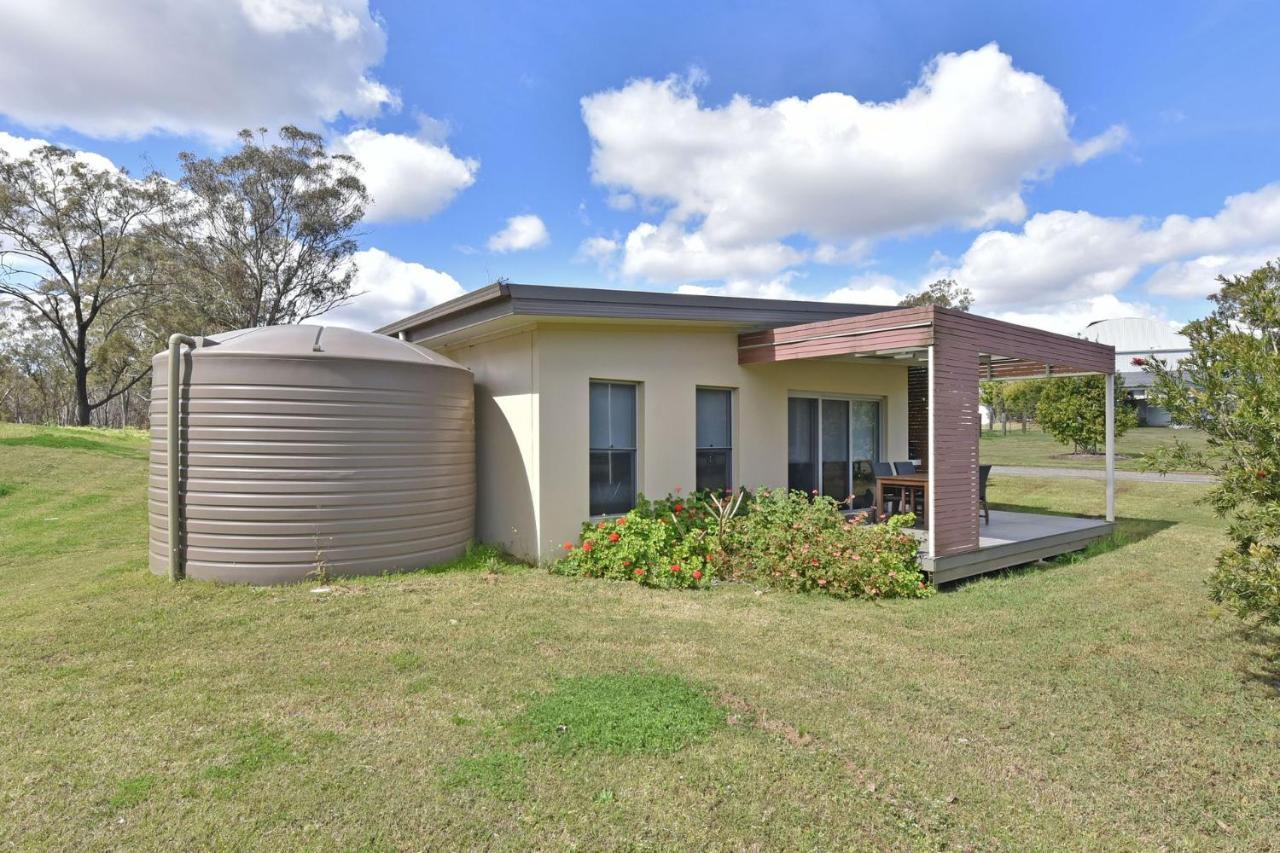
<point x="1095" y="474"/>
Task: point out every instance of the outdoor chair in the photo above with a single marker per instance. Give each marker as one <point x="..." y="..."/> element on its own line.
<point x="892" y="505"/>
<point x="984" y="471"/>
<point x="909" y="495"/>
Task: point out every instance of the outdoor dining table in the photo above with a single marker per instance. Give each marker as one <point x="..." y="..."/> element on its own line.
<point x="918" y="481"/>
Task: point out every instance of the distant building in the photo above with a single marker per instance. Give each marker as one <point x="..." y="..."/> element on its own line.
<point x="1139" y="337"/>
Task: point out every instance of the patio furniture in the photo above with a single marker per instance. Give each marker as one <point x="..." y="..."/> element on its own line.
<point x="886" y="504"/>
<point x="984" y="471"/>
<point x="909" y="496"/>
<point x="911" y="485"/>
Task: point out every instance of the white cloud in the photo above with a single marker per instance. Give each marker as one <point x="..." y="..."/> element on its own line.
<point x="391" y="288"/>
<point x="1198" y="277"/>
<point x="871" y="289"/>
<point x="778" y="288"/>
<point x="667" y="252"/>
<point x="1071" y="316"/>
<point x="957" y="148"/>
<point x="208" y="67"/>
<point x="526" y="231"/>
<point x="1073" y="255"/>
<point x="598" y="250"/>
<point x="620" y="201"/>
<point x="408" y="178"/>
<point x="18" y="147"/>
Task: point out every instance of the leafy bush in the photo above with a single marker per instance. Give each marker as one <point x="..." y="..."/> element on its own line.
<point x="1229" y="387"/>
<point x="789" y="541"/>
<point x="774" y="538"/>
<point x="1073" y="410"/>
<point x="666" y="543"/>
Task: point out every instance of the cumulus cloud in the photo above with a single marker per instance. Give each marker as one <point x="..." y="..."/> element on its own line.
<point x="1071" y="316"/>
<point x="390" y="288"/>
<point x="407" y="177"/>
<point x="208" y="67"/>
<point x="1075" y="255"/>
<point x="525" y="231"/>
<point x="778" y="288"/>
<point x="18" y="147"/>
<point x="1198" y="277"/>
<point x="597" y="250"/>
<point x="667" y="252"/>
<point x="957" y="148"/>
<point x="870" y="289"/>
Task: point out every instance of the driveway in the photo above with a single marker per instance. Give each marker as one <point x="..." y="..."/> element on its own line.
<point x="1095" y="474"/>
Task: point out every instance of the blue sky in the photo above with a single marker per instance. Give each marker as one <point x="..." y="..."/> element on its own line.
<point x="1044" y="154"/>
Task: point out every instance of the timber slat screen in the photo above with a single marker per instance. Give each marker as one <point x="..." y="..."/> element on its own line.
<point x="963" y="350"/>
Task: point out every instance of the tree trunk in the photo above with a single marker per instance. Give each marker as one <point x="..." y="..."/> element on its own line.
<point x="81" y="370"/>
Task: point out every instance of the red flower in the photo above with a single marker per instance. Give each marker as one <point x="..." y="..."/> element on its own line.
<point x="639" y="572"/>
<point x="568" y="546"/>
<point x="675" y="568"/>
<point x="678" y="507"/>
<point x="620" y="522"/>
<point x="588" y="545"/>
<point x="1138" y="361"/>
<point x="626" y="562"/>
<point x="1262" y="475"/>
<point x="613" y="537"/>
<point x="697" y="575"/>
<point x="600" y="526"/>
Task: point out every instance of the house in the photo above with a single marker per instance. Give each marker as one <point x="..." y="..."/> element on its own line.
<point x="588" y="397"/>
<point x="1140" y="337"/>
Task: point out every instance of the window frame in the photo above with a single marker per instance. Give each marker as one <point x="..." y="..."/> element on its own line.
<point x="634" y="450"/>
<point x="848" y="399"/>
<point x="731" y="459"/>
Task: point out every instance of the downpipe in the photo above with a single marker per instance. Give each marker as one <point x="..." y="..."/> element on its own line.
<point x="176" y="343"/>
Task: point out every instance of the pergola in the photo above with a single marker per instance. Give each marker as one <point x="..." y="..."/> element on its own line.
<point x="956" y="351"/>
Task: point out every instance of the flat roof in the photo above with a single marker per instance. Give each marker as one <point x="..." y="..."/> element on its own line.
<point x="504" y="299"/>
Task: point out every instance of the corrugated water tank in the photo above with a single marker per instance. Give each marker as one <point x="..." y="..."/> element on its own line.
<point x="314" y="450"/>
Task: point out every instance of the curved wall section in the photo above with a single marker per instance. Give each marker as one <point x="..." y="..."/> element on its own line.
<point x="309" y="450"/>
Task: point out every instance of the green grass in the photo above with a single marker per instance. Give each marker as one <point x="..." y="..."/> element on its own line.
<point x="621" y="713"/>
<point x="1039" y="449"/>
<point x="1103" y="703"/>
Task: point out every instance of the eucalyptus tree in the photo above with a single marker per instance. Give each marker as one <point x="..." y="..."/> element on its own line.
<point x="78" y="262"/>
<point x="264" y="235"/>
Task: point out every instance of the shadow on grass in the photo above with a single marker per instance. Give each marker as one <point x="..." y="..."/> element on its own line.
<point x="1264" y="642"/>
<point x="62" y="441"/>
<point x="1129" y="531"/>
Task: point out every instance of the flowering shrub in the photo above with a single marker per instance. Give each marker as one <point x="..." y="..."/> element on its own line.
<point x="790" y="541"/>
<point x="663" y="543"/>
<point x="775" y="538"/>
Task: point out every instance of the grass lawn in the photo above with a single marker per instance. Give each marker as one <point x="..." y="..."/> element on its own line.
<point x="1097" y="703"/>
<point x="1037" y="448"/>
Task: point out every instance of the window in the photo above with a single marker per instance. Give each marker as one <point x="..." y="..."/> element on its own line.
<point x="613" y="448"/>
<point x="714" y="453"/>
<point x="831" y="444"/>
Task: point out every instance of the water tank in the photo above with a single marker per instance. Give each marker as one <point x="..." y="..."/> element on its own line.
<point x="314" y="450"/>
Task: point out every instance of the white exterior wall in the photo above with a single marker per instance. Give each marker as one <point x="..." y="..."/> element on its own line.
<point x="669" y="363"/>
<point x="532" y="417"/>
<point x="506" y="380"/>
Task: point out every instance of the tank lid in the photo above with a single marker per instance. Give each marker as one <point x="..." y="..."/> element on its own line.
<point x="314" y="341"/>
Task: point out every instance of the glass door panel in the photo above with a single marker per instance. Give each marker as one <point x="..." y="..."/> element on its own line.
<point x="835" y="449"/>
<point x="802" y="444"/>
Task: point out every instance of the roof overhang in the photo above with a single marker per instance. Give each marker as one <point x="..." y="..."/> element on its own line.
<point x="1006" y="350"/>
<point x="489" y="308"/>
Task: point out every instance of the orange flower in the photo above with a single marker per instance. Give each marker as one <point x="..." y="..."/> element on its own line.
<point x="697" y="575"/>
<point x="588" y="545"/>
<point x="675" y="568"/>
<point x="568" y="546"/>
<point x="613" y="537"/>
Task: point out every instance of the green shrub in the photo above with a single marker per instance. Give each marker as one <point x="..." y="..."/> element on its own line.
<point x="776" y="538"/>
<point x="790" y="541"/>
<point x="666" y="543"/>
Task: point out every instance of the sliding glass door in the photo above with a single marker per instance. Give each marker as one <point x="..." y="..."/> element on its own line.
<point x="831" y="443"/>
